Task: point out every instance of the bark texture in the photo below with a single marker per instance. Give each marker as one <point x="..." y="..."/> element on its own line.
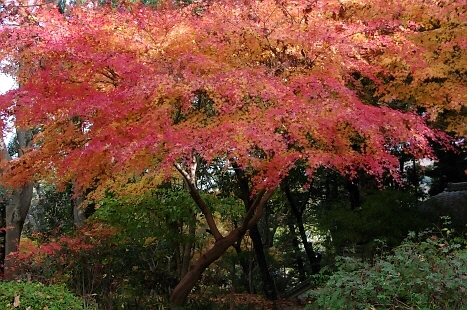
<point x="2" y="239"/>
<point x="79" y="213"/>
<point x="16" y="212"/>
<point x="17" y="207"/>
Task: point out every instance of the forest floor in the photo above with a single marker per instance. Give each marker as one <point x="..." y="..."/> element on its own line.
<point x="257" y="302"/>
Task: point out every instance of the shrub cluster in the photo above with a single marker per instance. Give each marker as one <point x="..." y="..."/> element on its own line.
<point x="76" y="260"/>
<point x="428" y="271"/>
<point x="106" y="272"/>
<point x="36" y="296"/>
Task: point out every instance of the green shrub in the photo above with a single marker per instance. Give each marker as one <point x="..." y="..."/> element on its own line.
<point x="428" y="272"/>
<point x="36" y="296"/>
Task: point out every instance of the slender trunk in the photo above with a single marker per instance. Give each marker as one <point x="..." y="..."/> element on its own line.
<point x="354" y="194"/>
<point x="298" y="213"/>
<point x="308" y="246"/>
<point x="181" y="291"/>
<point x="268" y="283"/>
<point x="2" y="239"/>
<point x="5" y="157"/>
<point x="187" y="249"/>
<point x="79" y="213"/>
<point x="250" y="277"/>
<point x="297" y="254"/>
<point x="253" y="214"/>
<point x="415" y="180"/>
<point x="244" y="264"/>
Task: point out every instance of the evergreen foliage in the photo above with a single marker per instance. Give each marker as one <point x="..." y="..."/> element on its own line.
<point x="427" y="271"/>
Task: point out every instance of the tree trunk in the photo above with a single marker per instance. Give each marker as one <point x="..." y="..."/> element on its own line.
<point x="16" y="212"/>
<point x="252" y="216"/>
<point x="17" y="207"/>
<point x="268" y="282"/>
<point x="297" y="253"/>
<point x="79" y="213"/>
<point x="298" y="213"/>
<point x="244" y="264"/>
<point x="2" y="238"/>
<point x="312" y="257"/>
<point x="181" y="291"/>
<point x="354" y="194"/>
<point x="188" y="248"/>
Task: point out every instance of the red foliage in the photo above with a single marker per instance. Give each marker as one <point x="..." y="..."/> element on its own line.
<point x="55" y="257"/>
<point x="123" y="90"/>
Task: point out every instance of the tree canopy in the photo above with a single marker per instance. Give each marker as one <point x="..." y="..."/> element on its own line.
<point x="129" y="89"/>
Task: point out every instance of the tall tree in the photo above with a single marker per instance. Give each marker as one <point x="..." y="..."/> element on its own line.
<point x="127" y="90"/>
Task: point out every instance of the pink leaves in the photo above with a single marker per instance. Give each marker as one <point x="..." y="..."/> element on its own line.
<point x="276" y="80"/>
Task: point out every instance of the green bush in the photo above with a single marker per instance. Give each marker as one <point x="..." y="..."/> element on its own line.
<point x="428" y="272"/>
<point x="36" y="296"/>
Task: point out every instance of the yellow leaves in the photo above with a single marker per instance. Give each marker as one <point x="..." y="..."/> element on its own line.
<point x="359" y="37"/>
<point x="33" y="18"/>
<point x="149" y="241"/>
<point x="119" y="184"/>
<point x="457" y="123"/>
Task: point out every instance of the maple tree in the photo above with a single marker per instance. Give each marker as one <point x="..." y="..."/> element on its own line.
<point x="127" y="90"/>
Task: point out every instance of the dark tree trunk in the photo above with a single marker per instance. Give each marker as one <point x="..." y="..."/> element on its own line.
<point x="16" y="212"/>
<point x="2" y="239"/>
<point x="308" y="246"/>
<point x="354" y="194"/>
<point x="244" y="264"/>
<point x="297" y="254"/>
<point x="266" y="278"/>
<point x="79" y="213"/>
<point x="298" y="214"/>
<point x="268" y="282"/>
<point x="181" y="291"/>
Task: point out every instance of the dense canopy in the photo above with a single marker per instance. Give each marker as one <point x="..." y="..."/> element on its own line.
<point x="129" y="89"/>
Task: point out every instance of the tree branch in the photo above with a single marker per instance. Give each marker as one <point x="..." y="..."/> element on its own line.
<point x="190" y="180"/>
<point x="256" y="209"/>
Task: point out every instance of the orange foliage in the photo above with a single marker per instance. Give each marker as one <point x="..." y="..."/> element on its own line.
<point x="129" y="90"/>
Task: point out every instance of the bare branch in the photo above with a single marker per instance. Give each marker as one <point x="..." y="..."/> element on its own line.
<point x="256" y="210"/>
<point x="190" y="180"/>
